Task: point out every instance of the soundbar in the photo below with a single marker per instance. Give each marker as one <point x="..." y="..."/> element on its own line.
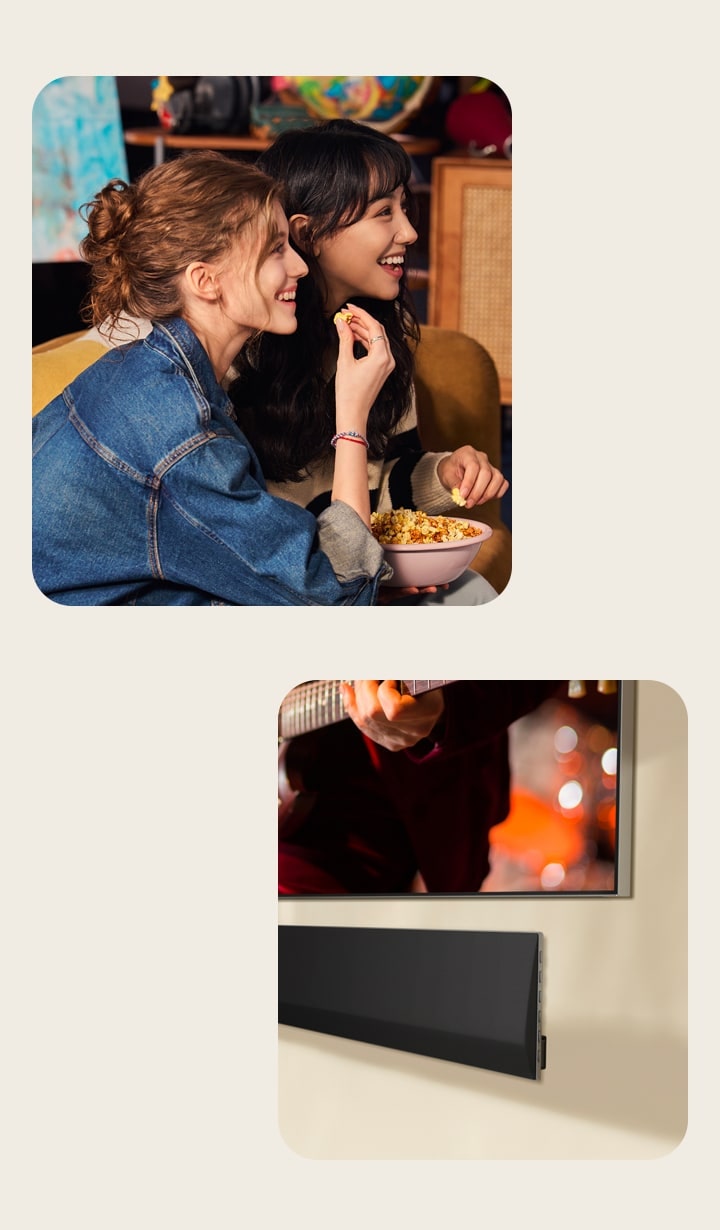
<point x="470" y="997"/>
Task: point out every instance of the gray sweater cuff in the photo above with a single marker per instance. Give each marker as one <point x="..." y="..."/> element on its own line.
<point x="349" y="545"/>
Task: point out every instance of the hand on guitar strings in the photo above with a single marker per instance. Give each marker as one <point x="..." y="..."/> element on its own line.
<point x="394" y="720"/>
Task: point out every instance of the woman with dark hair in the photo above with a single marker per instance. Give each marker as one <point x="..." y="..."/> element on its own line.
<point x="348" y="198"/>
<point x="145" y="489"/>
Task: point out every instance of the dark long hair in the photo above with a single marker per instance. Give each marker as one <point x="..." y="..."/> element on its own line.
<point x="282" y="396"/>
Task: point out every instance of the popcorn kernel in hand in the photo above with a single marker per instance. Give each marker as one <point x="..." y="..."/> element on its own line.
<point x="458" y="498"/>
<point x="343" y="315"/>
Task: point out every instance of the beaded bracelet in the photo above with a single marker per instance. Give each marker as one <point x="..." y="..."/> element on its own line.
<point x="349" y="435"/>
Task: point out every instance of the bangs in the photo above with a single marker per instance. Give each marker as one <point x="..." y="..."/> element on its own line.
<point x="375" y="174"/>
<point x="333" y="171"/>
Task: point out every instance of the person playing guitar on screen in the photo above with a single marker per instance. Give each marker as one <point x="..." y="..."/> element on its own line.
<point x="394" y="720"/>
<point x="392" y="786"/>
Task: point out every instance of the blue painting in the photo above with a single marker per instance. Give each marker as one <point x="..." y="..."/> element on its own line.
<point x="78" y="145"/>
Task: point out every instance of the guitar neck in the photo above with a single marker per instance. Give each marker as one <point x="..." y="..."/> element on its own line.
<point x="313" y="705"/>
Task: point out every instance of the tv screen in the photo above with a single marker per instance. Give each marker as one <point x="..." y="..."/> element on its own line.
<point x="455" y="787"/>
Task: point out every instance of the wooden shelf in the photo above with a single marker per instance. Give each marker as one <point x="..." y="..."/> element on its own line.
<point x="160" y="140"/>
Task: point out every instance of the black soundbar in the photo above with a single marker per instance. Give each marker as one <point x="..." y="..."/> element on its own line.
<point x="470" y="997"/>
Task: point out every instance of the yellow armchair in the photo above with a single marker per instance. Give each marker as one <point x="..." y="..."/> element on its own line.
<point x="57" y="362"/>
<point x="458" y="402"/>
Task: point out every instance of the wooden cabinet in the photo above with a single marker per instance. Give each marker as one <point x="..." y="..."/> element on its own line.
<point x="470" y="250"/>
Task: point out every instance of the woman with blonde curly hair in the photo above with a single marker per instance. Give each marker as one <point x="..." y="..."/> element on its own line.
<point x="145" y="489"/>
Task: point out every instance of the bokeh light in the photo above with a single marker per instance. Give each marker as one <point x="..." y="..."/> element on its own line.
<point x="552" y="875"/>
<point x="570" y="795"/>
<point x="566" y="740"/>
<point x="609" y="761"/>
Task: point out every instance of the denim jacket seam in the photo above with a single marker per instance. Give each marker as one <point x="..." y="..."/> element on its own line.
<point x="183" y="363"/>
<point x="151" y="515"/>
<point x="160" y="468"/>
<point x="186" y="363"/>
<point x="101" y="450"/>
<point x="181" y="451"/>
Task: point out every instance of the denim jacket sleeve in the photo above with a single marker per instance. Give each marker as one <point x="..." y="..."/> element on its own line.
<point x="220" y="530"/>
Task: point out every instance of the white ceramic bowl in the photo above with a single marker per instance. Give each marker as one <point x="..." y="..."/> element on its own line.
<point x="434" y="563"/>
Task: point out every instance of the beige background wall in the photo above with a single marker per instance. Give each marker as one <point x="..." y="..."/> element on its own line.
<point x="615" y="1012"/>
<point x="139" y="909"/>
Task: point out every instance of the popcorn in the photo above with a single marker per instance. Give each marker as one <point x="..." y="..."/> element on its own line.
<point x="401" y="526"/>
<point x="343" y="315"/>
<point x="458" y="498"/>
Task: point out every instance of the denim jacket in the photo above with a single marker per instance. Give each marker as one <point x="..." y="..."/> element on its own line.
<point x="146" y="492"/>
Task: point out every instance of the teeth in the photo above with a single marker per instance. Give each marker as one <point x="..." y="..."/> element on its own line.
<point x="287" y="296"/>
<point x="393" y="260"/>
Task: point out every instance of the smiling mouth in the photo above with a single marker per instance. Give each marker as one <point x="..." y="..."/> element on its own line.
<point x="393" y="262"/>
<point x="286" y="296"/>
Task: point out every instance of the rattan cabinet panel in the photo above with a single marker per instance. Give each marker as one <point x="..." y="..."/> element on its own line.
<point x="470" y="250"/>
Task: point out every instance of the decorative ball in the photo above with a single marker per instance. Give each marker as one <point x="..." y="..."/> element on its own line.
<point x="383" y="102"/>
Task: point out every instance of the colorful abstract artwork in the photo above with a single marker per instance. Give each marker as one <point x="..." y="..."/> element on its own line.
<point x="77" y="146"/>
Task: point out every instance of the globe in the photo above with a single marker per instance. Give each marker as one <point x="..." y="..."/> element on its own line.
<point x="383" y="102"/>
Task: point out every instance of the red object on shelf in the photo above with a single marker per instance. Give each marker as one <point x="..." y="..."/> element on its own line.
<point x="479" y="121"/>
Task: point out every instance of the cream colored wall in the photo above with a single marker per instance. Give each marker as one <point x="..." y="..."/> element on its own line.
<point x="615" y="1012"/>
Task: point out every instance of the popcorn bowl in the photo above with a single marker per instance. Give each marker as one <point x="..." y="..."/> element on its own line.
<point x="435" y="563"/>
